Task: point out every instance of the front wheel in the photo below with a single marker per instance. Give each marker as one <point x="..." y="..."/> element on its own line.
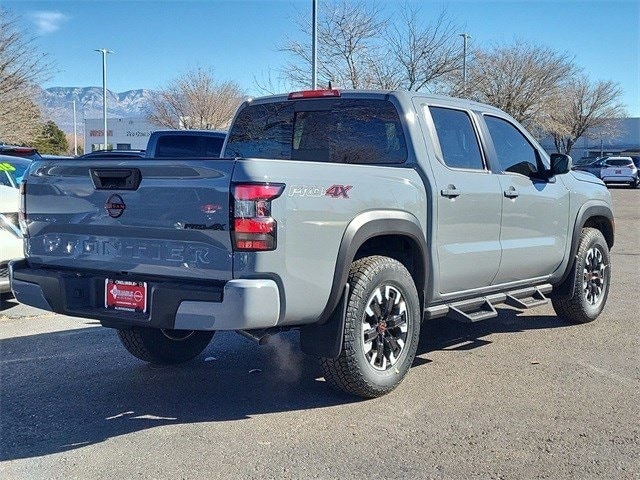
<point x="592" y="279"/>
<point x="163" y="346"/>
<point x="381" y="331"/>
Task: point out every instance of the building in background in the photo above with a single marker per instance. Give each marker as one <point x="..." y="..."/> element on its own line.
<point x="597" y="143"/>
<point x="122" y="133"/>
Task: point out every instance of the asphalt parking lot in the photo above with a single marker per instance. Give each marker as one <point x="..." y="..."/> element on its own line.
<point x="521" y="396"/>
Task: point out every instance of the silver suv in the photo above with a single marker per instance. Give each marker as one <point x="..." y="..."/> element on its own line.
<point x="620" y="170"/>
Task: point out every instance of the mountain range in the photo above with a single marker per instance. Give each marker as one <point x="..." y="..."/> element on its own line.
<point x="57" y="104"/>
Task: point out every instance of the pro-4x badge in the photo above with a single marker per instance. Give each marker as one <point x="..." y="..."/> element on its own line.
<point x="334" y="191"/>
<point x="338" y="191"/>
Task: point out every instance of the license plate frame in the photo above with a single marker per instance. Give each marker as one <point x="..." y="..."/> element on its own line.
<point x="125" y="295"/>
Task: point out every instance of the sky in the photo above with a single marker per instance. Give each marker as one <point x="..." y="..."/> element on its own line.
<point x="156" y="41"/>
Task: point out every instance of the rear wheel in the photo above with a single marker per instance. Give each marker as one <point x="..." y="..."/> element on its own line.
<point x="382" y="327"/>
<point x="163" y="346"/>
<point x="592" y="278"/>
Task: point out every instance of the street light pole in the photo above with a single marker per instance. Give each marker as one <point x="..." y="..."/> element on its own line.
<point x="84" y="125"/>
<point x="465" y="37"/>
<point x="314" y="46"/>
<point x="75" y="131"/>
<point x="104" y="52"/>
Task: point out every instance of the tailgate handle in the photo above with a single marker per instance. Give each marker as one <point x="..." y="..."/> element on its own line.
<point x="116" y="178"/>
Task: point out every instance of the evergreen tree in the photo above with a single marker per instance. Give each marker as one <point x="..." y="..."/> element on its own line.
<point x="51" y="140"/>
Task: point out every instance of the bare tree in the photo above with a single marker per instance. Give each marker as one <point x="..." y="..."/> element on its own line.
<point x="524" y="80"/>
<point x="587" y="106"/>
<point x="348" y="41"/>
<point x="360" y="47"/>
<point x="422" y="55"/>
<point x="196" y="100"/>
<point x="270" y="83"/>
<point x="22" y="67"/>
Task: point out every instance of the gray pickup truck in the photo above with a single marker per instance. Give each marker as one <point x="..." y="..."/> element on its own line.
<point x="349" y="215"/>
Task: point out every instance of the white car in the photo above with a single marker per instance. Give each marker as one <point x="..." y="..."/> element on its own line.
<point x="620" y="170"/>
<point x="11" y="171"/>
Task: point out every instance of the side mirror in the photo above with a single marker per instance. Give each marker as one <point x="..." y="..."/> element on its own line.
<point x="560" y="163"/>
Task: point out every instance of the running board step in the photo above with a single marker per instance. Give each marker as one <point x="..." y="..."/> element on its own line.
<point x="525" y="299"/>
<point x="481" y="308"/>
<point x="473" y="311"/>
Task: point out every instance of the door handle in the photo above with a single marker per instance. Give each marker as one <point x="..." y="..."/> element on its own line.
<point x="450" y="192"/>
<point x="511" y="192"/>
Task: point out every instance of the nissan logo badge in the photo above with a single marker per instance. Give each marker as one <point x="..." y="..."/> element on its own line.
<point x="115" y="206"/>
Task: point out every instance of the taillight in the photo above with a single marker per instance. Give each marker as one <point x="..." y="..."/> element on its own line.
<point x="22" y="210"/>
<point x="253" y="227"/>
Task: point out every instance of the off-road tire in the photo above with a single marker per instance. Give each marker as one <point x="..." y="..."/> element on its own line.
<point x="351" y="371"/>
<point x="578" y="309"/>
<point x="164" y="347"/>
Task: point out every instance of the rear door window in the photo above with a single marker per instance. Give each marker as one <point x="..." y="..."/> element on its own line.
<point x="457" y="138"/>
<point x="365" y="131"/>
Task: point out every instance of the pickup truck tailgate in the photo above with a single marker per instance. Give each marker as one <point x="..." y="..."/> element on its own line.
<point x="164" y="217"/>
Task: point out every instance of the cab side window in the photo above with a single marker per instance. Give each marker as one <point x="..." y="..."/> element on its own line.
<point x="457" y="138"/>
<point x="514" y="151"/>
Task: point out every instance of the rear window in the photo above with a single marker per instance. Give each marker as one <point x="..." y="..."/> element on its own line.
<point x="188" y="146"/>
<point x="620" y="163"/>
<point x="327" y="130"/>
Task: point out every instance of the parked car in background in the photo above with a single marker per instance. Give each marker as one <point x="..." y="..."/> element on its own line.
<point x="17" y="151"/>
<point x="171" y="144"/>
<point x="185" y="143"/>
<point x="12" y="170"/>
<point x="620" y="170"/>
<point x="46" y="156"/>
<point x="592" y="165"/>
<point x="114" y="154"/>
<point x="10" y="249"/>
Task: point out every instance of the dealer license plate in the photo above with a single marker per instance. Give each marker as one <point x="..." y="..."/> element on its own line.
<point x="125" y="295"/>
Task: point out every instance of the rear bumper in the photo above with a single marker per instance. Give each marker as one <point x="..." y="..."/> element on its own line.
<point x="619" y="178"/>
<point x="4" y="278"/>
<point x="234" y="305"/>
<point x="4" y="285"/>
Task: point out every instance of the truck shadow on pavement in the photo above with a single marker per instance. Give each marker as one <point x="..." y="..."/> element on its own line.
<point x="64" y="390"/>
<point x="445" y="334"/>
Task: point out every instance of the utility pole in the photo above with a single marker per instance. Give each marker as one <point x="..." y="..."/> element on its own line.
<point x="75" y="131"/>
<point x="314" y="45"/>
<point x="104" y="52"/>
<point x="465" y="36"/>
